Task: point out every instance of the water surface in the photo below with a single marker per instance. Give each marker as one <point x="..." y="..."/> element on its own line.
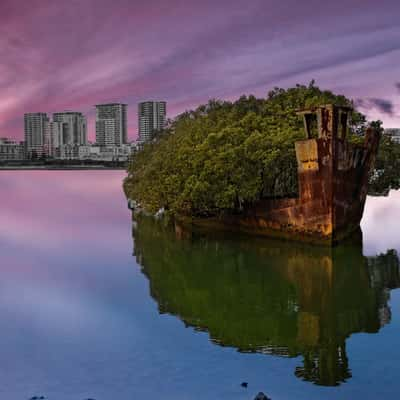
<point x="186" y="317"/>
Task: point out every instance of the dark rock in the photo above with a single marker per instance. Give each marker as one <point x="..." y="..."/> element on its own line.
<point x="261" y="396"/>
<point x="244" y="384"/>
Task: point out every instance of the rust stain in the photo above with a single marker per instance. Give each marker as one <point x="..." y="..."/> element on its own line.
<point x="307" y="155"/>
<point x="333" y="182"/>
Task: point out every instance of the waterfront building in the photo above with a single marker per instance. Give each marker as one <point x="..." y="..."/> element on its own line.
<point x="48" y="146"/>
<point x="78" y="152"/>
<point x="10" y="150"/>
<point x="152" y="118"/>
<point x="93" y="152"/>
<point x="394" y="133"/>
<point x="69" y="127"/>
<point x="135" y="146"/>
<point x="36" y="128"/>
<point x="56" y="133"/>
<point x="111" y="124"/>
<point x="116" y="153"/>
<point x="67" y="152"/>
<point x="89" y="152"/>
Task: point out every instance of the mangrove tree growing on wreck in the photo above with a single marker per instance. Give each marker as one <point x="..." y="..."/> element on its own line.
<point x="222" y="155"/>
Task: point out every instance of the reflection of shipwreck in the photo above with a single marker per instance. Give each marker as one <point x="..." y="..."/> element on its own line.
<point x="333" y="179"/>
<point x="270" y="297"/>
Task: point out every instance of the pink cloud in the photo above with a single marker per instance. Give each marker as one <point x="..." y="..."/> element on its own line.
<point x="71" y="55"/>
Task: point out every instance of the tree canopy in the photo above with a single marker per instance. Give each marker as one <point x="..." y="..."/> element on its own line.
<point x="224" y="154"/>
<point x="387" y="168"/>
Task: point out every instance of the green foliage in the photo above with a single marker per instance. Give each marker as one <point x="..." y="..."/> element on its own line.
<point x="254" y="294"/>
<point x="387" y="167"/>
<point x="224" y="155"/>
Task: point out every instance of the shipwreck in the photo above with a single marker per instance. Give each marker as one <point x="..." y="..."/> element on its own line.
<point x="333" y="179"/>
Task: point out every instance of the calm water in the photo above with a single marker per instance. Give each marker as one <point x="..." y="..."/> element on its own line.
<point x="91" y="308"/>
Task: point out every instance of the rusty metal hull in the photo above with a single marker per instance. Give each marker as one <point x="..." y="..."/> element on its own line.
<point x="333" y="183"/>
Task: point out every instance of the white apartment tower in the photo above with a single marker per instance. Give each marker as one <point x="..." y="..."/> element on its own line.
<point x="36" y="126"/>
<point x="152" y="118"/>
<point x="69" y="127"/>
<point x="111" y="124"/>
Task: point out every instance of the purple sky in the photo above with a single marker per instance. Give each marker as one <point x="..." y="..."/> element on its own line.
<point x="69" y="55"/>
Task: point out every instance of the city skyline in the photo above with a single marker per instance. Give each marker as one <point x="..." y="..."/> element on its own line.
<point x="246" y="49"/>
<point x="70" y="127"/>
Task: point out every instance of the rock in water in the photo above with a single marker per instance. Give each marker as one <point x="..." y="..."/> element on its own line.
<point x="261" y="396"/>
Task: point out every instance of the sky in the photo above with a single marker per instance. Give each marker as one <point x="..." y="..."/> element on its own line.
<point x="70" y="55"/>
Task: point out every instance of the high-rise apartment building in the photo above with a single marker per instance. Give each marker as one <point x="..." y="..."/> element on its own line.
<point x="69" y="127"/>
<point x="36" y="126"/>
<point x="152" y="118"/>
<point x="57" y="133"/>
<point x="111" y="124"/>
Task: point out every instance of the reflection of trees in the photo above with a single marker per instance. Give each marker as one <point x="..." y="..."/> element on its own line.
<point x="269" y="296"/>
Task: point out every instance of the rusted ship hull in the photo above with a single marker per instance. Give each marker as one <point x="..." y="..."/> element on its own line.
<point x="333" y="182"/>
